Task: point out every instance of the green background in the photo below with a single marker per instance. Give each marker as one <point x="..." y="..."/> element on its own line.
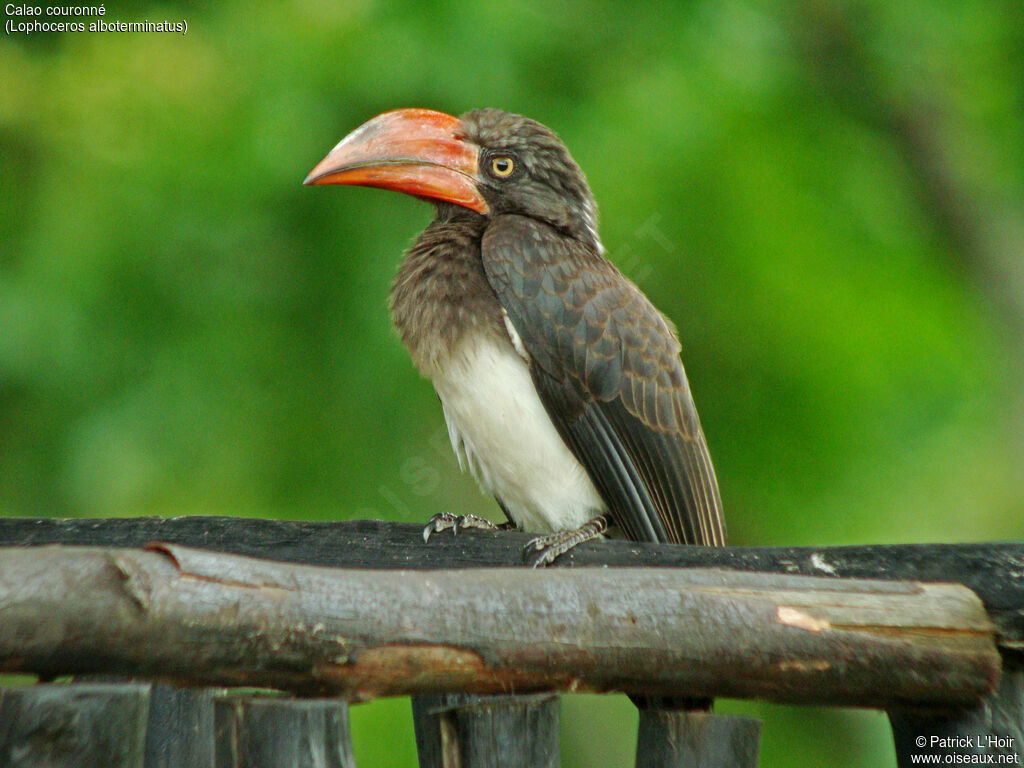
<point x="826" y="197"/>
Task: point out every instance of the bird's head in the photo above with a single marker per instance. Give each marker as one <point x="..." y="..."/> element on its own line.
<point x="487" y="161"/>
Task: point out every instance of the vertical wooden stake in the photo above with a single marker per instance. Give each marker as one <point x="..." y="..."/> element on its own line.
<point x="465" y="731"/>
<point x="995" y="728"/>
<point x="180" y="730"/>
<point x="679" y="738"/>
<point x="271" y="732"/>
<point x="90" y="725"/>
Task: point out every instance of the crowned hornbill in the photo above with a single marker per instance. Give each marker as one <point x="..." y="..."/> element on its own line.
<point x="561" y="384"/>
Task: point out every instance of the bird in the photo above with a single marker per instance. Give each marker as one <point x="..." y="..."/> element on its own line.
<point x="561" y="384"/>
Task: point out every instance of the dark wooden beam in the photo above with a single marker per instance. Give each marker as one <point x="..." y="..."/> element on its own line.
<point x="992" y="570"/>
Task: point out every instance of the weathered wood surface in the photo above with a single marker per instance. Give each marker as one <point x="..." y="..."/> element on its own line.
<point x="80" y="726"/>
<point x="670" y="738"/>
<point x="140" y="725"/>
<point x="483" y="731"/>
<point x="990" y="734"/>
<point x="995" y="571"/>
<point x="180" y="731"/>
<point x="209" y="618"/>
<point x="269" y="732"/>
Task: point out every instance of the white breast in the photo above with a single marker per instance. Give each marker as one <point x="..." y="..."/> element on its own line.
<point x="502" y="434"/>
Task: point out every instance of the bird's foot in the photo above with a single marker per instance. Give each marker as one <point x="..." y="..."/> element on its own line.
<point x="554" y="545"/>
<point x="445" y="520"/>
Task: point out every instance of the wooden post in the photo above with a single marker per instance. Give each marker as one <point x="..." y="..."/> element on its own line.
<point x="138" y="725"/>
<point x="272" y="731"/>
<point x="676" y="738"/>
<point x="466" y="731"/>
<point x="180" y="731"/>
<point x="92" y="725"/>
<point x="994" y="728"/>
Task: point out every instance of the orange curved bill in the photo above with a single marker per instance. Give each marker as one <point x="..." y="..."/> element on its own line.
<point x="416" y="151"/>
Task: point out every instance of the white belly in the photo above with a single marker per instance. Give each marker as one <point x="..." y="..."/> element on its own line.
<point x="501" y="432"/>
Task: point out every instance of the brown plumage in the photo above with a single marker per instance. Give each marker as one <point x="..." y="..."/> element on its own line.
<point x="508" y="291"/>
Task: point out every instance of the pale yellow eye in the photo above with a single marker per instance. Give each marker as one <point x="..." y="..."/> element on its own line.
<point x="502" y="166"/>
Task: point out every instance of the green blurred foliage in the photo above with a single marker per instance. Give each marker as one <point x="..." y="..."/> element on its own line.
<point x="185" y="329"/>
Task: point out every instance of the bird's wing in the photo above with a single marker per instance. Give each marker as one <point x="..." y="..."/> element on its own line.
<point x="606" y="365"/>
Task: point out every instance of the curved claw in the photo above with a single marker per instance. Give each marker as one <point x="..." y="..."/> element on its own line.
<point x="442" y="521"/>
<point x="554" y="545"/>
<point x="546" y="556"/>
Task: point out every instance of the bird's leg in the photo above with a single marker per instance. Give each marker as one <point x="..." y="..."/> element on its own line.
<point x="445" y="520"/>
<point x="557" y="544"/>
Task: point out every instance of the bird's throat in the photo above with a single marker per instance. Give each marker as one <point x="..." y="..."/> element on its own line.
<point x="441" y="294"/>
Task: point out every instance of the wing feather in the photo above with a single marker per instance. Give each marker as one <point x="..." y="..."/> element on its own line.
<point x="606" y="366"/>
